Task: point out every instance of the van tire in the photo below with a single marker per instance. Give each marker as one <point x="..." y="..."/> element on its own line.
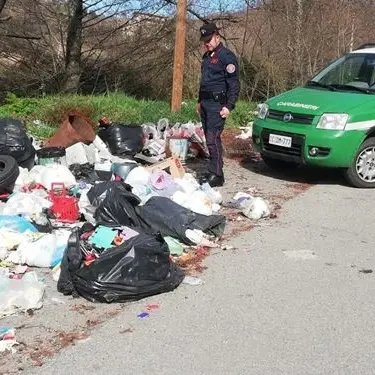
<point x="279" y="165"/>
<point x="351" y="173"/>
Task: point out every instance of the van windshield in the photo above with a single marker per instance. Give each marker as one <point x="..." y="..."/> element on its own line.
<point x="352" y="72"/>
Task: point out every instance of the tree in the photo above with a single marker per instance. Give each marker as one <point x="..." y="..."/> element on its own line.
<point x="73" y="55"/>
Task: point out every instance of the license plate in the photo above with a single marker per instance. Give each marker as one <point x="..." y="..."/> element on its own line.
<point x="280" y="140"/>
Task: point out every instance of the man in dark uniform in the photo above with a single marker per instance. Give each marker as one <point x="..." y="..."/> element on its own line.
<point x="218" y="93"/>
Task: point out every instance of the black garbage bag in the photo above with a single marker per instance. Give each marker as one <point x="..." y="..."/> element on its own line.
<point x="122" y="139"/>
<point x="170" y="219"/>
<point x="139" y="268"/>
<point x="15" y="142"/>
<point x="115" y="204"/>
<point x="43" y="223"/>
<point x="84" y="172"/>
<point x="71" y="262"/>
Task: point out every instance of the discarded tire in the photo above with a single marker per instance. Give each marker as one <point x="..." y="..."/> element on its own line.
<point x="9" y="172"/>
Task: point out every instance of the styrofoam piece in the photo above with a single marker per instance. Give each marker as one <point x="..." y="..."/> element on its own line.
<point x="104" y="152"/>
<point x="76" y="154"/>
<point x="91" y="153"/>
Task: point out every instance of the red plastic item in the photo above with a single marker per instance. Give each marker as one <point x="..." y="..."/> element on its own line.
<point x="152" y="306"/>
<point x="32" y="187"/>
<point x="65" y="208"/>
<point x="4" y="196"/>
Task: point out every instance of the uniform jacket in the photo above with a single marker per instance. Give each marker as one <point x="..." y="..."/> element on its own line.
<point x="219" y="72"/>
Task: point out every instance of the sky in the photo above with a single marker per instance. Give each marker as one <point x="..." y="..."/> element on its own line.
<point x="202" y="7"/>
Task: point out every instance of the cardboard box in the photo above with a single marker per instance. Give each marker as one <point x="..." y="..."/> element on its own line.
<point x="176" y="169"/>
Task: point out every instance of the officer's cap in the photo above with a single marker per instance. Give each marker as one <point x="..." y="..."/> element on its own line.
<point x="207" y="31"/>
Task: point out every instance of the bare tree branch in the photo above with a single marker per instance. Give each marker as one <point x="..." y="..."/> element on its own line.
<point x="2" y="5"/>
<point x="20" y="36"/>
<point x="191" y="11"/>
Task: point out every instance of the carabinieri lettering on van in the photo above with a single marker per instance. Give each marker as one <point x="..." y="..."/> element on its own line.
<point x="298" y="105"/>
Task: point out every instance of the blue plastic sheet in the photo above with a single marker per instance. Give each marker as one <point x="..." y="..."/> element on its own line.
<point x="16" y="223"/>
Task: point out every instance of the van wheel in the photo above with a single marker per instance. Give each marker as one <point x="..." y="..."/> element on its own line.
<point x="278" y="165"/>
<point x="361" y="173"/>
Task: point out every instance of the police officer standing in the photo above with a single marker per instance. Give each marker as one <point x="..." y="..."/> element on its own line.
<point x="218" y="93"/>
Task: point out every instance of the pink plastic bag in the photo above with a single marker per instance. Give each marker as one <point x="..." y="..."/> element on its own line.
<point x="160" y="180"/>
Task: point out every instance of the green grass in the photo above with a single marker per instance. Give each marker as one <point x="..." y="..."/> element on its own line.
<point x="48" y="111"/>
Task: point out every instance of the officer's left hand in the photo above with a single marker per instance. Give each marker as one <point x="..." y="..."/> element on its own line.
<point x="224" y="113"/>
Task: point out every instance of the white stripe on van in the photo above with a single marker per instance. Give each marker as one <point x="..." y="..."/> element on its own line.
<point x="361" y="125"/>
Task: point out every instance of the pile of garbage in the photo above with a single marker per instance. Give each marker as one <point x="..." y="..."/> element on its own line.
<point x="154" y="142"/>
<point x="109" y="213"/>
<point x="108" y="227"/>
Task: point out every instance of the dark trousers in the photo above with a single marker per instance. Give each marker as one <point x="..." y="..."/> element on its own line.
<point x="213" y="126"/>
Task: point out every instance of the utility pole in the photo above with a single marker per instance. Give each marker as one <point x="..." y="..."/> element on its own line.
<point x="179" y="55"/>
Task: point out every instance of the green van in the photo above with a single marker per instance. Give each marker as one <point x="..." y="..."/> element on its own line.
<point x="329" y="122"/>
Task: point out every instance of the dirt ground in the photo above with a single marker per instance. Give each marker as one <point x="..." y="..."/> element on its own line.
<point x="65" y="321"/>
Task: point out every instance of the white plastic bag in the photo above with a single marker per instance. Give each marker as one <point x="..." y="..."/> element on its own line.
<point x="56" y="173"/>
<point x="156" y="147"/>
<point x="10" y="239"/>
<point x="180" y="198"/>
<point x="143" y="192"/>
<point x="27" y="204"/>
<point x="216" y="208"/>
<point x="29" y="177"/>
<point x="3" y="252"/>
<point x="200" y="203"/>
<point x="188" y="183"/>
<point x="138" y="176"/>
<point x="44" y="252"/>
<point x="148" y="130"/>
<point x="214" y="195"/>
<point x="103" y="152"/>
<point x="21" y="179"/>
<point x="86" y="208"/>
<point x="241" y="200"/>
<point x="256" y="208"/>
<point x="20" y="294"/>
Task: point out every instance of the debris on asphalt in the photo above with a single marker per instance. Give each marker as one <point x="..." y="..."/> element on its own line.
<point x="227" y="247"/>
<point x="254" y="208"/>
<point x="366" y="270"/>
<point x="152" y="306"/>
<point x="7" y="339"/>
<point x="143" y="315"/>
<point x="300" y="254"/>
<point x="20" y="294"/>
<point x="246" y="132"/>
<point x="192" y="280"/>
<point x="68" y="338"/>
<point x="127" y="330"/>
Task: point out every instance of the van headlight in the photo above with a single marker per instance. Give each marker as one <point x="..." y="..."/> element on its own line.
<point x="333" y="121"/>
<point x="262" y="111"/>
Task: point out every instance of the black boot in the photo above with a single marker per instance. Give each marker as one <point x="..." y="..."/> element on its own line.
<point x="204" y="177"/>
<point x="215" y="180"/>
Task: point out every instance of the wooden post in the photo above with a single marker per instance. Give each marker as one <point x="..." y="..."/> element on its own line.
<point x="179" y="55"/>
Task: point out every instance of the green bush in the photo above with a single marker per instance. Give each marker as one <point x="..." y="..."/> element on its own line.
<point x="20" y="108"/>
<point x="43" y="115"/>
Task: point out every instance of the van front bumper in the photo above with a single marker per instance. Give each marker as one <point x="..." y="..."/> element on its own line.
<point x="310" y="146"/>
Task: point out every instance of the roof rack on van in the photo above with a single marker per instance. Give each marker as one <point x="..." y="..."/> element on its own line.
<point x="366" y="45"/>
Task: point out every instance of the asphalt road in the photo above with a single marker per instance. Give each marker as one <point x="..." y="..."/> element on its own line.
<point x="291" y="299"/>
